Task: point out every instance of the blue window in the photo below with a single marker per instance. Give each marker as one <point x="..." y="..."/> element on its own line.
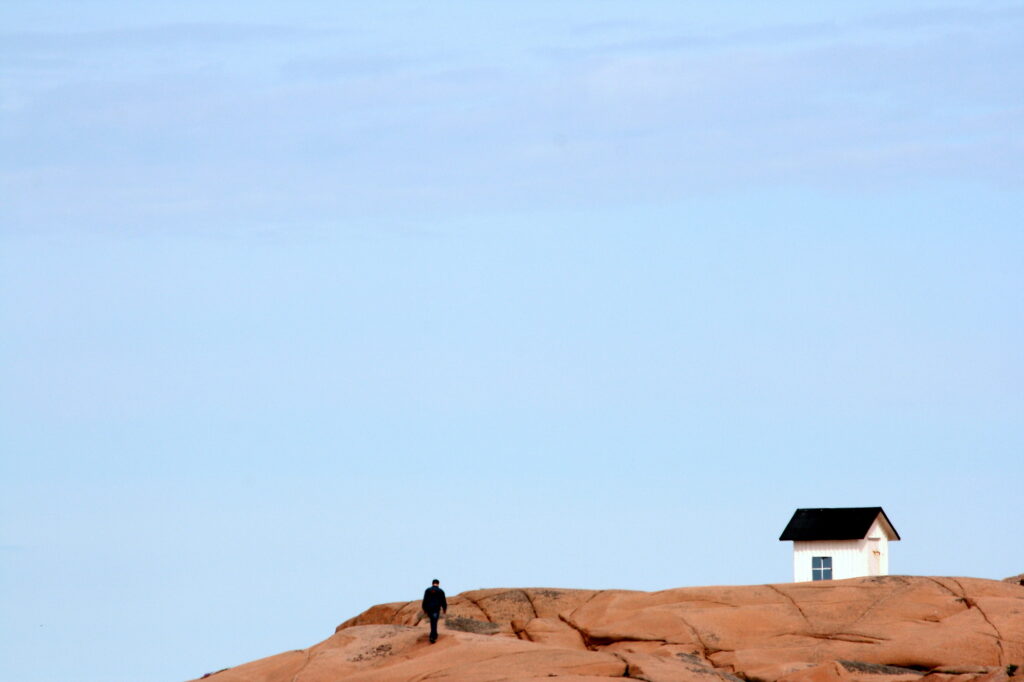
<point x="821" y="568"/>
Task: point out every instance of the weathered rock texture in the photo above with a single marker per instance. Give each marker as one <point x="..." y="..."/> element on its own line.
<point x="885" y="629"/>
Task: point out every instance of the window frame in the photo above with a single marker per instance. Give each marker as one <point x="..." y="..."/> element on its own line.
<point x="821" y="568"/>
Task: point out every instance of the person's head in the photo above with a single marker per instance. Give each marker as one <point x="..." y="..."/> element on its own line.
<point x="436" y="582"/>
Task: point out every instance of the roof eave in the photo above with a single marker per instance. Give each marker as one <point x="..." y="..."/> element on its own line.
<point x="893" y="535"/>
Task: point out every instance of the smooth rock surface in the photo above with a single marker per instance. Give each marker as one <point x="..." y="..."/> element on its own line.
<point x="883" y="629"/>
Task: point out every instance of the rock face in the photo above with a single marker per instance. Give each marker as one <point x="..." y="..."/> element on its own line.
<point x="883" y="629"/>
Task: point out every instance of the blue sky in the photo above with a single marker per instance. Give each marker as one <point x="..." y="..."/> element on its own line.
<point x="306" y="304"/>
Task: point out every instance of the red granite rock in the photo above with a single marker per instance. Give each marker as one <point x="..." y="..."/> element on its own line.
<point x="884" y="629"/>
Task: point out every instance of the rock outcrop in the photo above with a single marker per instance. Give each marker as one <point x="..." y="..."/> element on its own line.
<point x="883" y="629"/>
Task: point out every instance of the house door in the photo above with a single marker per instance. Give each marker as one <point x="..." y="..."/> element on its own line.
<point x="874" y="556"/>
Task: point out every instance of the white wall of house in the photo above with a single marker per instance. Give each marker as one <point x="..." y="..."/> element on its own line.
<point x="850" y="558"/>
<point x="847" y="558"/>
<point x="876" y="550"/>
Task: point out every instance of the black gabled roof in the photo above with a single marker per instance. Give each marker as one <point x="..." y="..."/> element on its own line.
<point x="842" y="523"/>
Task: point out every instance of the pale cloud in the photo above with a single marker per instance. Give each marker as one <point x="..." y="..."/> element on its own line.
<point x="794" y="33"/>
<point x="343" y="129"/>
<point x="183" y="34"/>
<point x="345" y="66"/>
<point x="946" y="17"/>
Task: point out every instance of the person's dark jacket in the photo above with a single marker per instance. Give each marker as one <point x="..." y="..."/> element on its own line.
<point x="434" y="601"/>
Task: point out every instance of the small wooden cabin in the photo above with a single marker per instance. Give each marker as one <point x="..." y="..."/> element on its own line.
<point x="837" y="543"/>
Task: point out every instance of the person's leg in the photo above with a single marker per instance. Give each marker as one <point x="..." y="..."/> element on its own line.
<point x="433" y="625"/>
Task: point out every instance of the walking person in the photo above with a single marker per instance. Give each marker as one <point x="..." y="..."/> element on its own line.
<point x="433" y="604"/>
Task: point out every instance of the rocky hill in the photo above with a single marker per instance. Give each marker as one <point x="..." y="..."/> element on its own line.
<point x="883" y="629"/>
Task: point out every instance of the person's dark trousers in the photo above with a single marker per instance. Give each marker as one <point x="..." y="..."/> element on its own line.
<point x="433" y="625"/>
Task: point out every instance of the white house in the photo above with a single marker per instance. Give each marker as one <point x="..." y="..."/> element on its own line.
<point x="837" y="543"/>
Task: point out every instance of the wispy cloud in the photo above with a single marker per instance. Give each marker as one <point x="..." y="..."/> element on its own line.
<point x="945" y="17"/>
<point x="661" y="39"/>
<point x="347" y="128"/>
<point x="156" y="36"/>
<point x="347" y="65"/>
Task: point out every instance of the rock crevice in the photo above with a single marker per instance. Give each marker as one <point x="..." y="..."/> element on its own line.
<point x="899" y="629"/>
